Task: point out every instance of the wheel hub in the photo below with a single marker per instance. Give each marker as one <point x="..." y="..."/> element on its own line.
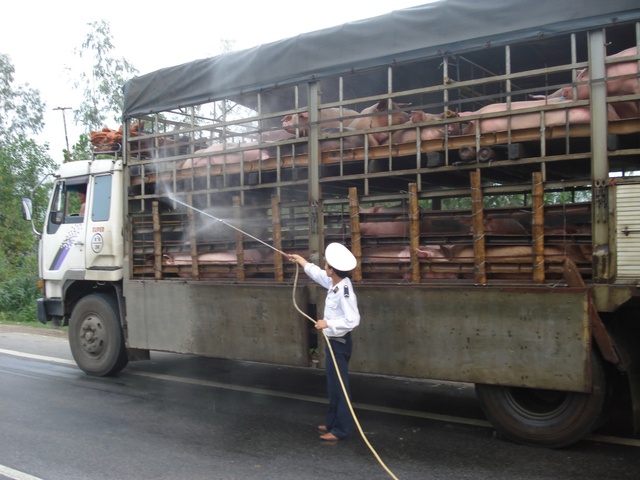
<point x="92" y="335"/>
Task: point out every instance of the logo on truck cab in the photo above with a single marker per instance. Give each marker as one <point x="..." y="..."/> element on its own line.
<point x="97" y="242"/>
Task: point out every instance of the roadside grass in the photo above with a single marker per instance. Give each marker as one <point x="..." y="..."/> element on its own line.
<point x="33" y="324"/>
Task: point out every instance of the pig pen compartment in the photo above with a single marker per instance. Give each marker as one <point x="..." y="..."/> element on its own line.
<point x="261" y="149"/>
<point x="262" y="143"/>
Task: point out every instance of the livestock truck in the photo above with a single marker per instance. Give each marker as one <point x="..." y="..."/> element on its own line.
<point x="479" y="158"/>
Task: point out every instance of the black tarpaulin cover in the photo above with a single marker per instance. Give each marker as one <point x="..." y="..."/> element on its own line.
<point x="424" y="31"/>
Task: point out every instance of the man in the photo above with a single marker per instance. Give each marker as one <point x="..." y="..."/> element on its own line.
<point x="341" y="316"/>
<point x="82" y="196"/>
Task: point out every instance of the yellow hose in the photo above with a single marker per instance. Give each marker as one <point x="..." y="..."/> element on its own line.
<point x="344" y="390"/>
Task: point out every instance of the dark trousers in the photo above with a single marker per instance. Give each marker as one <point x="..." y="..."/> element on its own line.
<point x="339" y="421"/>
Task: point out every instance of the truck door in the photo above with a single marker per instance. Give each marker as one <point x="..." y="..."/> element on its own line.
<point x="63" y="240"/>
<point x="103" y="233"/>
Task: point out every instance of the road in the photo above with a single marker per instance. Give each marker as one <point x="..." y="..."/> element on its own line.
<point x="184" y="417"/>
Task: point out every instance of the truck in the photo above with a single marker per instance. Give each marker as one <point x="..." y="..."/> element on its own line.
<point x="479" y="159"/>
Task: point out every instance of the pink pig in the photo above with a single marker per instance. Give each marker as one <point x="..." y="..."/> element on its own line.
<point x="528" y="120"/>
<point x="427" y="132"/>
<point x="622" y="79"/>
<point x="402" y="255"/>
<point x="249" y="155"/>
<point x="376" y="116"/>
<point x="329" y="118"/>
<point x="384" y="229"/>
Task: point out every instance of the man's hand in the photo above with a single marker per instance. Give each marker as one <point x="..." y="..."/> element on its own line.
<point x="321" y="324"/>
<point x="295" y="258"/>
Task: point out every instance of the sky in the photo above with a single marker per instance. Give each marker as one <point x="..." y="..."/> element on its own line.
<point x="40" y="37"/>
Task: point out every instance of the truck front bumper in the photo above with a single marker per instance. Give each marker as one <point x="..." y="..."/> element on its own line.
<point x="48" y="308"/>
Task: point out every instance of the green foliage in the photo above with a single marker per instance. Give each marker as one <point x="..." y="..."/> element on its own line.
<point x="82" y="150"/>
<point x="22" y="165"/>
<point x="21" y="108"/>
<point x="18" y="289"/>
<point x="516" y="200"/>
<point x="102" y="81"/>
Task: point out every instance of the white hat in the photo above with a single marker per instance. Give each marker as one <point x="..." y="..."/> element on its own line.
<point x="339" y="257"/>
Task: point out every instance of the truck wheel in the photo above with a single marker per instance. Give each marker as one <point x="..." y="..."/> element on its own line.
<point x="95" y="336"/>
<point x="546" y="418"/>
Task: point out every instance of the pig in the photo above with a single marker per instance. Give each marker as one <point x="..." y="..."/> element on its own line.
<point x="348" y="141"/>
<point x="401" y="256"/>
<point x="503" y="226"/>
<point x="376" y="116"/>
<point x="528" y="120"/>
<point x="384" y="229"/>
<point x="622" y="79"/>
<point x="276" y="135"/>
<point x="249" y="155"/>
<point x="226" y="257"/>
<point x="514" y="254"/>
<point x="329" y="118"/>
<point x="555" y="95"/>
<point x="355" y="140"/>
<point x="381" y="209"/>
<point x="497" y="225"/>
<point x="398" y="226"/>
<point x="427" y="132"/>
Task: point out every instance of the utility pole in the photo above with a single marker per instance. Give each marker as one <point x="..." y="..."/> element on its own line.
<point x="64" y="121"/>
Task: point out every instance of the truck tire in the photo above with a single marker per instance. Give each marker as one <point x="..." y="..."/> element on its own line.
<point x="546" y="418"/>
<point x="95" y="336"/>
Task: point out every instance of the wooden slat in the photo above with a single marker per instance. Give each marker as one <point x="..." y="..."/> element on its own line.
<point x="477" y="214"/>
<point x="157" y="241"/>
<point x="277" y="238"/>
<point x="537" y="228"/>
<point x="192" y="239"/>
<point x="239" y="240"/>
<point x="414" y="232"/>
<point x="356" y="237"/>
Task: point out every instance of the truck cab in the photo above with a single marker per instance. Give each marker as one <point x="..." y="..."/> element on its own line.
<point x="82" y="243"/>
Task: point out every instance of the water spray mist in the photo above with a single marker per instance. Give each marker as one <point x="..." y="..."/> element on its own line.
<point x="228" y="225"/>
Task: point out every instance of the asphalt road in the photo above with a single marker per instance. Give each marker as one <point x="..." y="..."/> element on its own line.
<point x="183" y="417"/>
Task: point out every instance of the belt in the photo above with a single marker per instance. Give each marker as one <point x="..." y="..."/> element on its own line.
<point x="342" y="339"/>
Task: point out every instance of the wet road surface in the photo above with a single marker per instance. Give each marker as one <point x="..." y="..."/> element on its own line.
<point x="185" y="417"/>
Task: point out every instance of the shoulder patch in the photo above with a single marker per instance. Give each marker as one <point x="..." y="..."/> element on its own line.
<point x="346" y="290"/>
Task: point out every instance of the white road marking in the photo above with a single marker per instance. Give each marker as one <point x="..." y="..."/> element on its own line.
<point x="37" y="357"/>
<point x="308" y="398"/>
<point x="12" y="474"/>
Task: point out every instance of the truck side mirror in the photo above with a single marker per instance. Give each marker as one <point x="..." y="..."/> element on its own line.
<point x="27" y="213"/>
<point x="27" y="209"/>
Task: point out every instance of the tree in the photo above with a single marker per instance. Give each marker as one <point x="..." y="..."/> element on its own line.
<point x="21" y="108"/>
<point x="102" y="82"/>
<point x="22" y="163"/>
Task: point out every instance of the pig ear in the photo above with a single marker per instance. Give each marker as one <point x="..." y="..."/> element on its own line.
<point x="403" y="105"/>
<point x="304" y="115"/>
<point x="382" y="106"/>
<point x="287" y="118"/>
